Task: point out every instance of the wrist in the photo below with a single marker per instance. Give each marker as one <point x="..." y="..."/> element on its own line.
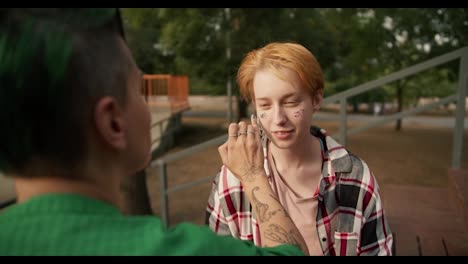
<point x="260" y="182"/>
<point x="254" y="178"/>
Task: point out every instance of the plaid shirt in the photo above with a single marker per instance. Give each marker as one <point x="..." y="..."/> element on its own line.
<point x="350" y="218"/>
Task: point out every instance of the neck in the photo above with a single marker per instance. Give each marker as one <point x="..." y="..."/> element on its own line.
<point x="90" y="183"/>
<point x="299" y="155"/>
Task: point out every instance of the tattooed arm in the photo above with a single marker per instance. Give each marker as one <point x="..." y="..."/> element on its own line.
<point x="276" y="227"/>
<point x="242" y="154"/>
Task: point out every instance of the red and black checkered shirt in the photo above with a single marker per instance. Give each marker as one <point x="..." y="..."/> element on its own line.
<point x="350" y="217"/>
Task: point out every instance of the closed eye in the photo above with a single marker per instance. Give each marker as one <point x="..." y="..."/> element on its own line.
<point x="291" y="103"/>
<point x="264" y="105"/>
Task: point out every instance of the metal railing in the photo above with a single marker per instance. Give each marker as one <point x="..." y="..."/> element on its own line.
<point x="167" y="127"/>
<point x="159" y="124"/>
<point x="459" y="96"/>
<point x="342" y="97"/>
<point x="162" y="164"/>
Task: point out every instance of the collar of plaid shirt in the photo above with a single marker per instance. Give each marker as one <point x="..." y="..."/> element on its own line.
<point x="340" y="161"/>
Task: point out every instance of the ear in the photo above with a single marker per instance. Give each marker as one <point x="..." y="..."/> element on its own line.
<point x="110" y="122"/>
<point x="317" y="100"/>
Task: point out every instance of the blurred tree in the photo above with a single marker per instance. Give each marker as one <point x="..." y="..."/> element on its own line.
<point x="143" y="31"/>
<point x="196" y="39"/>
<point x="414" y="35"/>
<point x="376" y="42"/>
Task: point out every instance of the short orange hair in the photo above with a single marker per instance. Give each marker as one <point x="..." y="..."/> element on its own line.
<point x="276" y="57"/>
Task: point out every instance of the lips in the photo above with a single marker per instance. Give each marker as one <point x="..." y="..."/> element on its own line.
<point x="283" y="134"/>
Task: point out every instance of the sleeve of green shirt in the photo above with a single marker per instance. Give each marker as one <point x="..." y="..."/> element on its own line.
<point x="188" y="239"/>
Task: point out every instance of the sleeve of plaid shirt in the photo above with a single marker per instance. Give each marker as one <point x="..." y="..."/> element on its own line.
<point x="214" y="214"/>
<point x="226" y="196"/>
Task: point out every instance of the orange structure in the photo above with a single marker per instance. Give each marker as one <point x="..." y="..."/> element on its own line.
<point x="166" y="90"/>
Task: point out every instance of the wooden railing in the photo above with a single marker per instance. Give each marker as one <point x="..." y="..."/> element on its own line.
<point x="166" y="90"/>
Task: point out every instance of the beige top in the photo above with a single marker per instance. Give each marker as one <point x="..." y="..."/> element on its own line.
<point x="303" y="210"/>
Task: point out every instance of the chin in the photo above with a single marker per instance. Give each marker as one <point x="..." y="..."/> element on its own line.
<point x="284" y="144"/>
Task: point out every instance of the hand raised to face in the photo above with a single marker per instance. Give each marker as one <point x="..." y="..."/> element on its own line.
<point x="242" y="154"/>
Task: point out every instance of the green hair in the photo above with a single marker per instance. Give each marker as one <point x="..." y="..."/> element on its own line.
<point x="37" y="93"/>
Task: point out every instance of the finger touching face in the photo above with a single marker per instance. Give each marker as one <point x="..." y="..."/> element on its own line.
<point x="242" y="129"/>
<point x="232" y="133"/>
<point x="253" y="139"/>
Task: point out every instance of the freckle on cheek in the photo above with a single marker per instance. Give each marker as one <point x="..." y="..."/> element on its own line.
<point x="262" y="115"/>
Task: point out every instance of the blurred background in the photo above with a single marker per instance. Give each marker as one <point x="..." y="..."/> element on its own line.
<point x="395" y="95"/>
<point x="352" y="45"/>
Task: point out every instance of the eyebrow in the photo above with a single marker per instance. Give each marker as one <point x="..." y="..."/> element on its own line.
<point x="283" y="97"/>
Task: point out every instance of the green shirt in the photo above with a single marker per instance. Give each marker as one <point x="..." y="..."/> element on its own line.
<point x="68" y="224"/>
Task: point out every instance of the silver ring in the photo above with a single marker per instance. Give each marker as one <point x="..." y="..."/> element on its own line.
<point x="242" y="133"/>
<point x="251" y="132"/>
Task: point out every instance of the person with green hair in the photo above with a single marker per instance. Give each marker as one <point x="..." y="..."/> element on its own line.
<point x="74" y="125"/>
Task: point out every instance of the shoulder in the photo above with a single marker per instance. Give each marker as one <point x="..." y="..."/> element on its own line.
<point x="359" y="168"/>
<point x="360" y="182"/>
<point x="180" y="239"/>
<point x="359" y="171"/>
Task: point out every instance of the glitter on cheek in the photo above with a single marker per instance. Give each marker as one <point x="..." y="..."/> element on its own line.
<point x="299" y="113"/>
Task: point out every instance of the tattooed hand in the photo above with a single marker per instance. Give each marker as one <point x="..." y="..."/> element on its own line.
<point x="242" y="154"/>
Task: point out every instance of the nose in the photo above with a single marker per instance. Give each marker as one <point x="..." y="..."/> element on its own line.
<point x="279" y="116"/>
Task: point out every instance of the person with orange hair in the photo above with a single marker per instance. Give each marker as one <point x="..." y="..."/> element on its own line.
<point x="330" y="194"/>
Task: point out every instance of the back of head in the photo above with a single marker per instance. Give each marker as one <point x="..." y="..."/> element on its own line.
<point x="276" y="57"/>
<point x="54" y="65"/>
